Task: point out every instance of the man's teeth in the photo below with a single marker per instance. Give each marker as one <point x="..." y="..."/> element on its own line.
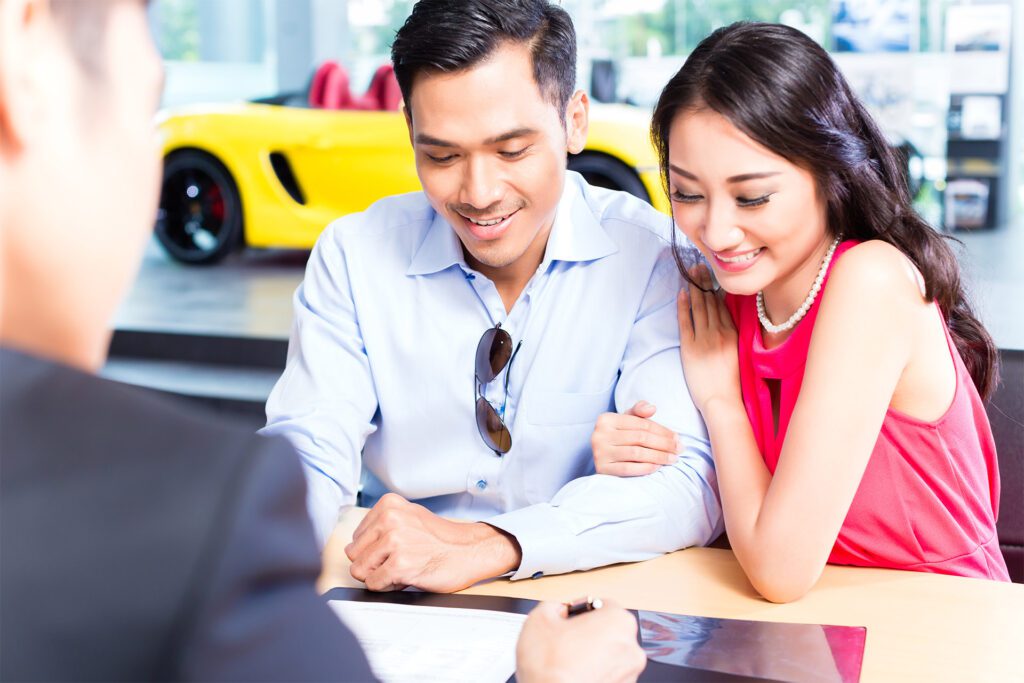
<point x="740" y="259"/>
<point x="485" y="224"/>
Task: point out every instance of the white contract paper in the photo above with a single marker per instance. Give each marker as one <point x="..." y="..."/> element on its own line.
<point x="420" y="643"/>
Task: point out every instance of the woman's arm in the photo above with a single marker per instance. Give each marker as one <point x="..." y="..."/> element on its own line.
<point x="783" y="528"/>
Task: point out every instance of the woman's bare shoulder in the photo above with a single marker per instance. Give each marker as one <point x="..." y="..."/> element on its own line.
<point x="878" y="272"/>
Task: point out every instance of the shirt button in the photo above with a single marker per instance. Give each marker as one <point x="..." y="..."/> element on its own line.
<point x="482" y="484"/>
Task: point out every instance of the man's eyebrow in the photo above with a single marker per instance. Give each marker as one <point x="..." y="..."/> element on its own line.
<point x="424" y="139"/>
<point x="511" y="135"/>
<point x="743" y="177"/>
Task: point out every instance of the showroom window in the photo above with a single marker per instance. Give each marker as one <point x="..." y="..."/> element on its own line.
<point x="215" y="49"/>
<point x="936" y="73"/>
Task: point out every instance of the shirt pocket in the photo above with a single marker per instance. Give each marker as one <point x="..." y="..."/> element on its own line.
<point x="569" y="408"/>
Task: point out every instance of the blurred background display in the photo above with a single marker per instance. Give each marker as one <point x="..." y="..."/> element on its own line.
<point x="939" y="75"/>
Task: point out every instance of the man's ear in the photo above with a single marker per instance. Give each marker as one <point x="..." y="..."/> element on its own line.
<point x="577" y="121"/>
<point x="24" y="33"/>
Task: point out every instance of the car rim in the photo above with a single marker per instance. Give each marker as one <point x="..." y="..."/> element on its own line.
<point x="192" y="211"/>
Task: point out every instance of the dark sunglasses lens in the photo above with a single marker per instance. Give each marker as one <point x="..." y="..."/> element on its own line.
<point x="492" y="354"/>
<point x="492" y="429"/>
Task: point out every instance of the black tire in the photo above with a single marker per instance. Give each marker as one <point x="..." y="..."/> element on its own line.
<point x="200" y="215"/>
<point x="601" y="170"/>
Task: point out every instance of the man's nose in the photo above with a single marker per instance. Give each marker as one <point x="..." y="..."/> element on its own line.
<point x="481" y="185"/>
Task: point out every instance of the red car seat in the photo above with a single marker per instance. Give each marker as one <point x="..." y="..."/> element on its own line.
<point x="384" y="87"/>
<point x="336" y="89"/>
<point x="330" y="89"/>
<point x="316" y="86"/>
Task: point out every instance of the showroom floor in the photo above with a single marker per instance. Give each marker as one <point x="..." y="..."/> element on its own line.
<point x="249" y="294"/>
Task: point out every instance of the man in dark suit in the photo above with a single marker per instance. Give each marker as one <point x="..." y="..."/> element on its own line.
<point x="144" y="542"/>
<point x="140" y="541"/>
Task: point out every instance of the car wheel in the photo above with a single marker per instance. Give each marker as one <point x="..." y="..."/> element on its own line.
<point x="604" y="171"/>
<point x="200" y="215"/>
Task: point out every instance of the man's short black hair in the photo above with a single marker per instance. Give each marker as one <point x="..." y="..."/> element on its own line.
<point x="446" y="36"/>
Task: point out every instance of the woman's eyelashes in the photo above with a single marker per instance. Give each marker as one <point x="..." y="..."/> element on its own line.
<point x="685" y="198"/>
<point x="742" y="202"/>
<point x="755" y="201"/>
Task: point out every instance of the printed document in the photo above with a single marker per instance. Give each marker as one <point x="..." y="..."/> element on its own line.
<point x="420" y="643"/>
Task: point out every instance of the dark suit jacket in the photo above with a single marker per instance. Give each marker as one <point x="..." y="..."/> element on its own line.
<point x="142" y="541"/>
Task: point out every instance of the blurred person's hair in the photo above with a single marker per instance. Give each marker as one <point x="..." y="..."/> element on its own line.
<point x="781" y="89"/>
<point x="448" y="36"/>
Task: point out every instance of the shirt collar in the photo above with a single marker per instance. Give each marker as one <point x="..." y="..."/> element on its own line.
<point x="441" y="249"/>
<point x="576" y="236"/>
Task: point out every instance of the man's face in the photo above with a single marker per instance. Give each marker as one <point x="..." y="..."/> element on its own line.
<point x="491" y="151"/>
<point x="86" y="162"/>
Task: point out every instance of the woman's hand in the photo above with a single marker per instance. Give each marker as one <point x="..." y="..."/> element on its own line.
<point x="708" y="344"/>
<point x="631" y="444"/>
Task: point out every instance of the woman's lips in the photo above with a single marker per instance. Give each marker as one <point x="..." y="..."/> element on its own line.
<point x="737" y="261"/>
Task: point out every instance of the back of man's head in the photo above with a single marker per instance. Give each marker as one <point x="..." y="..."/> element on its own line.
<point x="80" y="162"/>
<point x="446" y="36"/>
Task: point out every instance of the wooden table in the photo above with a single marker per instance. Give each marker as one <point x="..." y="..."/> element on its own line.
<point x="923" y="627"/>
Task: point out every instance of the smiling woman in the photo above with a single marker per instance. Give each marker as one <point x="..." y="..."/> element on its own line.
<point x="841" y="377"/>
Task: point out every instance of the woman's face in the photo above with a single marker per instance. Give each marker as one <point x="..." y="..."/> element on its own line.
<point x="757" y="218"/>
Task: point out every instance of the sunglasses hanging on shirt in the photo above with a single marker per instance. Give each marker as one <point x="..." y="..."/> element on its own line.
<point x="493" y="353"/>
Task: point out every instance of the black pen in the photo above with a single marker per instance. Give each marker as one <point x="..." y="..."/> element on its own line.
<point x="582" y="605"/>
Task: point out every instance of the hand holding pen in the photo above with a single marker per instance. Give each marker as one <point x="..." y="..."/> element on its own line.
<point x="585" y="640"/>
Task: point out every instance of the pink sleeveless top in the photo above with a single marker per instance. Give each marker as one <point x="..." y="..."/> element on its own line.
<point x="929" y="497"/>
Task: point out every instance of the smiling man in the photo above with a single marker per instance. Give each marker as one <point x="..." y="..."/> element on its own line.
<point x="453" y="349"/>
<point x="143" y="540"/>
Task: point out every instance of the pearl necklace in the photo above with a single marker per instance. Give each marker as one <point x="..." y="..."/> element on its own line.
<point x="762" y="315"/>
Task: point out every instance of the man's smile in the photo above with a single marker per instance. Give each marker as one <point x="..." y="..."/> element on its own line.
<point x="486" y="229"/>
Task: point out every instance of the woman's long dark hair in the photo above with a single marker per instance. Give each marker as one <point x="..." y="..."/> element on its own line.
<point x="783" y="91"/>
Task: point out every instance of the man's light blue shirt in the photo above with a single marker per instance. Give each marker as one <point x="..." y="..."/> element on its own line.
<point x="381" y="363"/>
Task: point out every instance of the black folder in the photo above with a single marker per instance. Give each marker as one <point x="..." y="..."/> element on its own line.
<point x="685" y="648"/>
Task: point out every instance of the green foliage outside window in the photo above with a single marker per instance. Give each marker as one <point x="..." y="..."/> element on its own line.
<point x="178" y="30"/>
<point x="680" y="24"/>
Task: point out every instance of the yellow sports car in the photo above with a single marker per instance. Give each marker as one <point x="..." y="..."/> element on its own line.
<point x="272" y="174"/>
